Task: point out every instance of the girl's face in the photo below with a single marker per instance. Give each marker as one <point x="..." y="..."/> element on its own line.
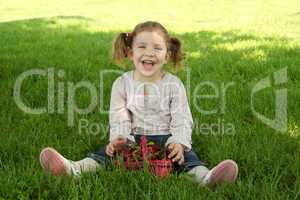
<point x="149" y="54"/>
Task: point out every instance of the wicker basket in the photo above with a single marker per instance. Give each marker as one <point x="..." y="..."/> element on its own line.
<point x="134" y="160"/>
<point x="160" y="168"/>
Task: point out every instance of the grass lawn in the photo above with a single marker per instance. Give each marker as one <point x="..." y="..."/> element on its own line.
<point x="238" y="42"/>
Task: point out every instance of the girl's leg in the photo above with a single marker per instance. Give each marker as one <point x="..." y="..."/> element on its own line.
<point x="55" y="163"/>
<point x="225" y="171"/>
<point x="199" y="173"/>
<point x="193" y="166"/>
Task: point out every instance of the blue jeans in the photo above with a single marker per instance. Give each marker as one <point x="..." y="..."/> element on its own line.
<point x="191" y="159"/>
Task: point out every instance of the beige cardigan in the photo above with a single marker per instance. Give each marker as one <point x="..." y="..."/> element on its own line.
<point x="162" y="111"/>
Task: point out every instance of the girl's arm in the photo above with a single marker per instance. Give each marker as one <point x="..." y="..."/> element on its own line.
<point x="119" y="116"/>
<point x="181" y="118"/>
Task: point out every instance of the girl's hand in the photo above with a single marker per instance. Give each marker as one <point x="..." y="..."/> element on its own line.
<point x="176" y="153"/>
<point x="113" y="145"/>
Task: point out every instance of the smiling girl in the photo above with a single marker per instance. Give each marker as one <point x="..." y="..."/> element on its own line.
<point x="147" y="101"/>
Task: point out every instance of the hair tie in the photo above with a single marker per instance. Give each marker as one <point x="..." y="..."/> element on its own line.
<point x="128" y="39"/>
<point x="129" y="34"/>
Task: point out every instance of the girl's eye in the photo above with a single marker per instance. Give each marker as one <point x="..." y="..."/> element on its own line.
<point x="158" y="48"/>
<point x="141" y="47"/>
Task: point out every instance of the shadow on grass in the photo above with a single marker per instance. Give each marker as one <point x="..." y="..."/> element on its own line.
<point x="67" y="43"/>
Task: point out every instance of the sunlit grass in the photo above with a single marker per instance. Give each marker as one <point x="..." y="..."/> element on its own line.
<point x="268" y="17"/>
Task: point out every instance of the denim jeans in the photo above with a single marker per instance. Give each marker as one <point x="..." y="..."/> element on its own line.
<point x="191" y="159"/>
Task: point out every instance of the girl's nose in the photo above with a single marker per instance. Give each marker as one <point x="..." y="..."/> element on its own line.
<point x="149" y="52"/>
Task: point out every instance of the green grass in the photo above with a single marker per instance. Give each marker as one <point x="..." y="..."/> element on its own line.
<point x="237" y="41"/>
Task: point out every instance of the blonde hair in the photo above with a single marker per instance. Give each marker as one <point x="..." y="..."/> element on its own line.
<point x="123" y="43"/>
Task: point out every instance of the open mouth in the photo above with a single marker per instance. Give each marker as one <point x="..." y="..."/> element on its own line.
<point x="148" y="64"/>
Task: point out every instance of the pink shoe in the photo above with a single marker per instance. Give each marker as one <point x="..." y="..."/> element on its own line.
<point x="55" y="163"/>
<point x="225" y="171"/>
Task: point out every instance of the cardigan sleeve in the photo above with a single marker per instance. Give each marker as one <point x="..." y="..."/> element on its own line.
<point x="119" y="115"/>
<point x="181" y="117"/>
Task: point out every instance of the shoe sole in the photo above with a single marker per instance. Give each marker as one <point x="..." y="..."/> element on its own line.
<point x="229" y="167"/>
<point x="51" y="161"/>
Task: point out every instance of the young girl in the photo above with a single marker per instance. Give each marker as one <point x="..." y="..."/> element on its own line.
<point x="147" y="101"/>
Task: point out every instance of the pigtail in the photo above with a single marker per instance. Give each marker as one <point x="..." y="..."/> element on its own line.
<point x="175" y="53"/>
<point x="120" y="47"/>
